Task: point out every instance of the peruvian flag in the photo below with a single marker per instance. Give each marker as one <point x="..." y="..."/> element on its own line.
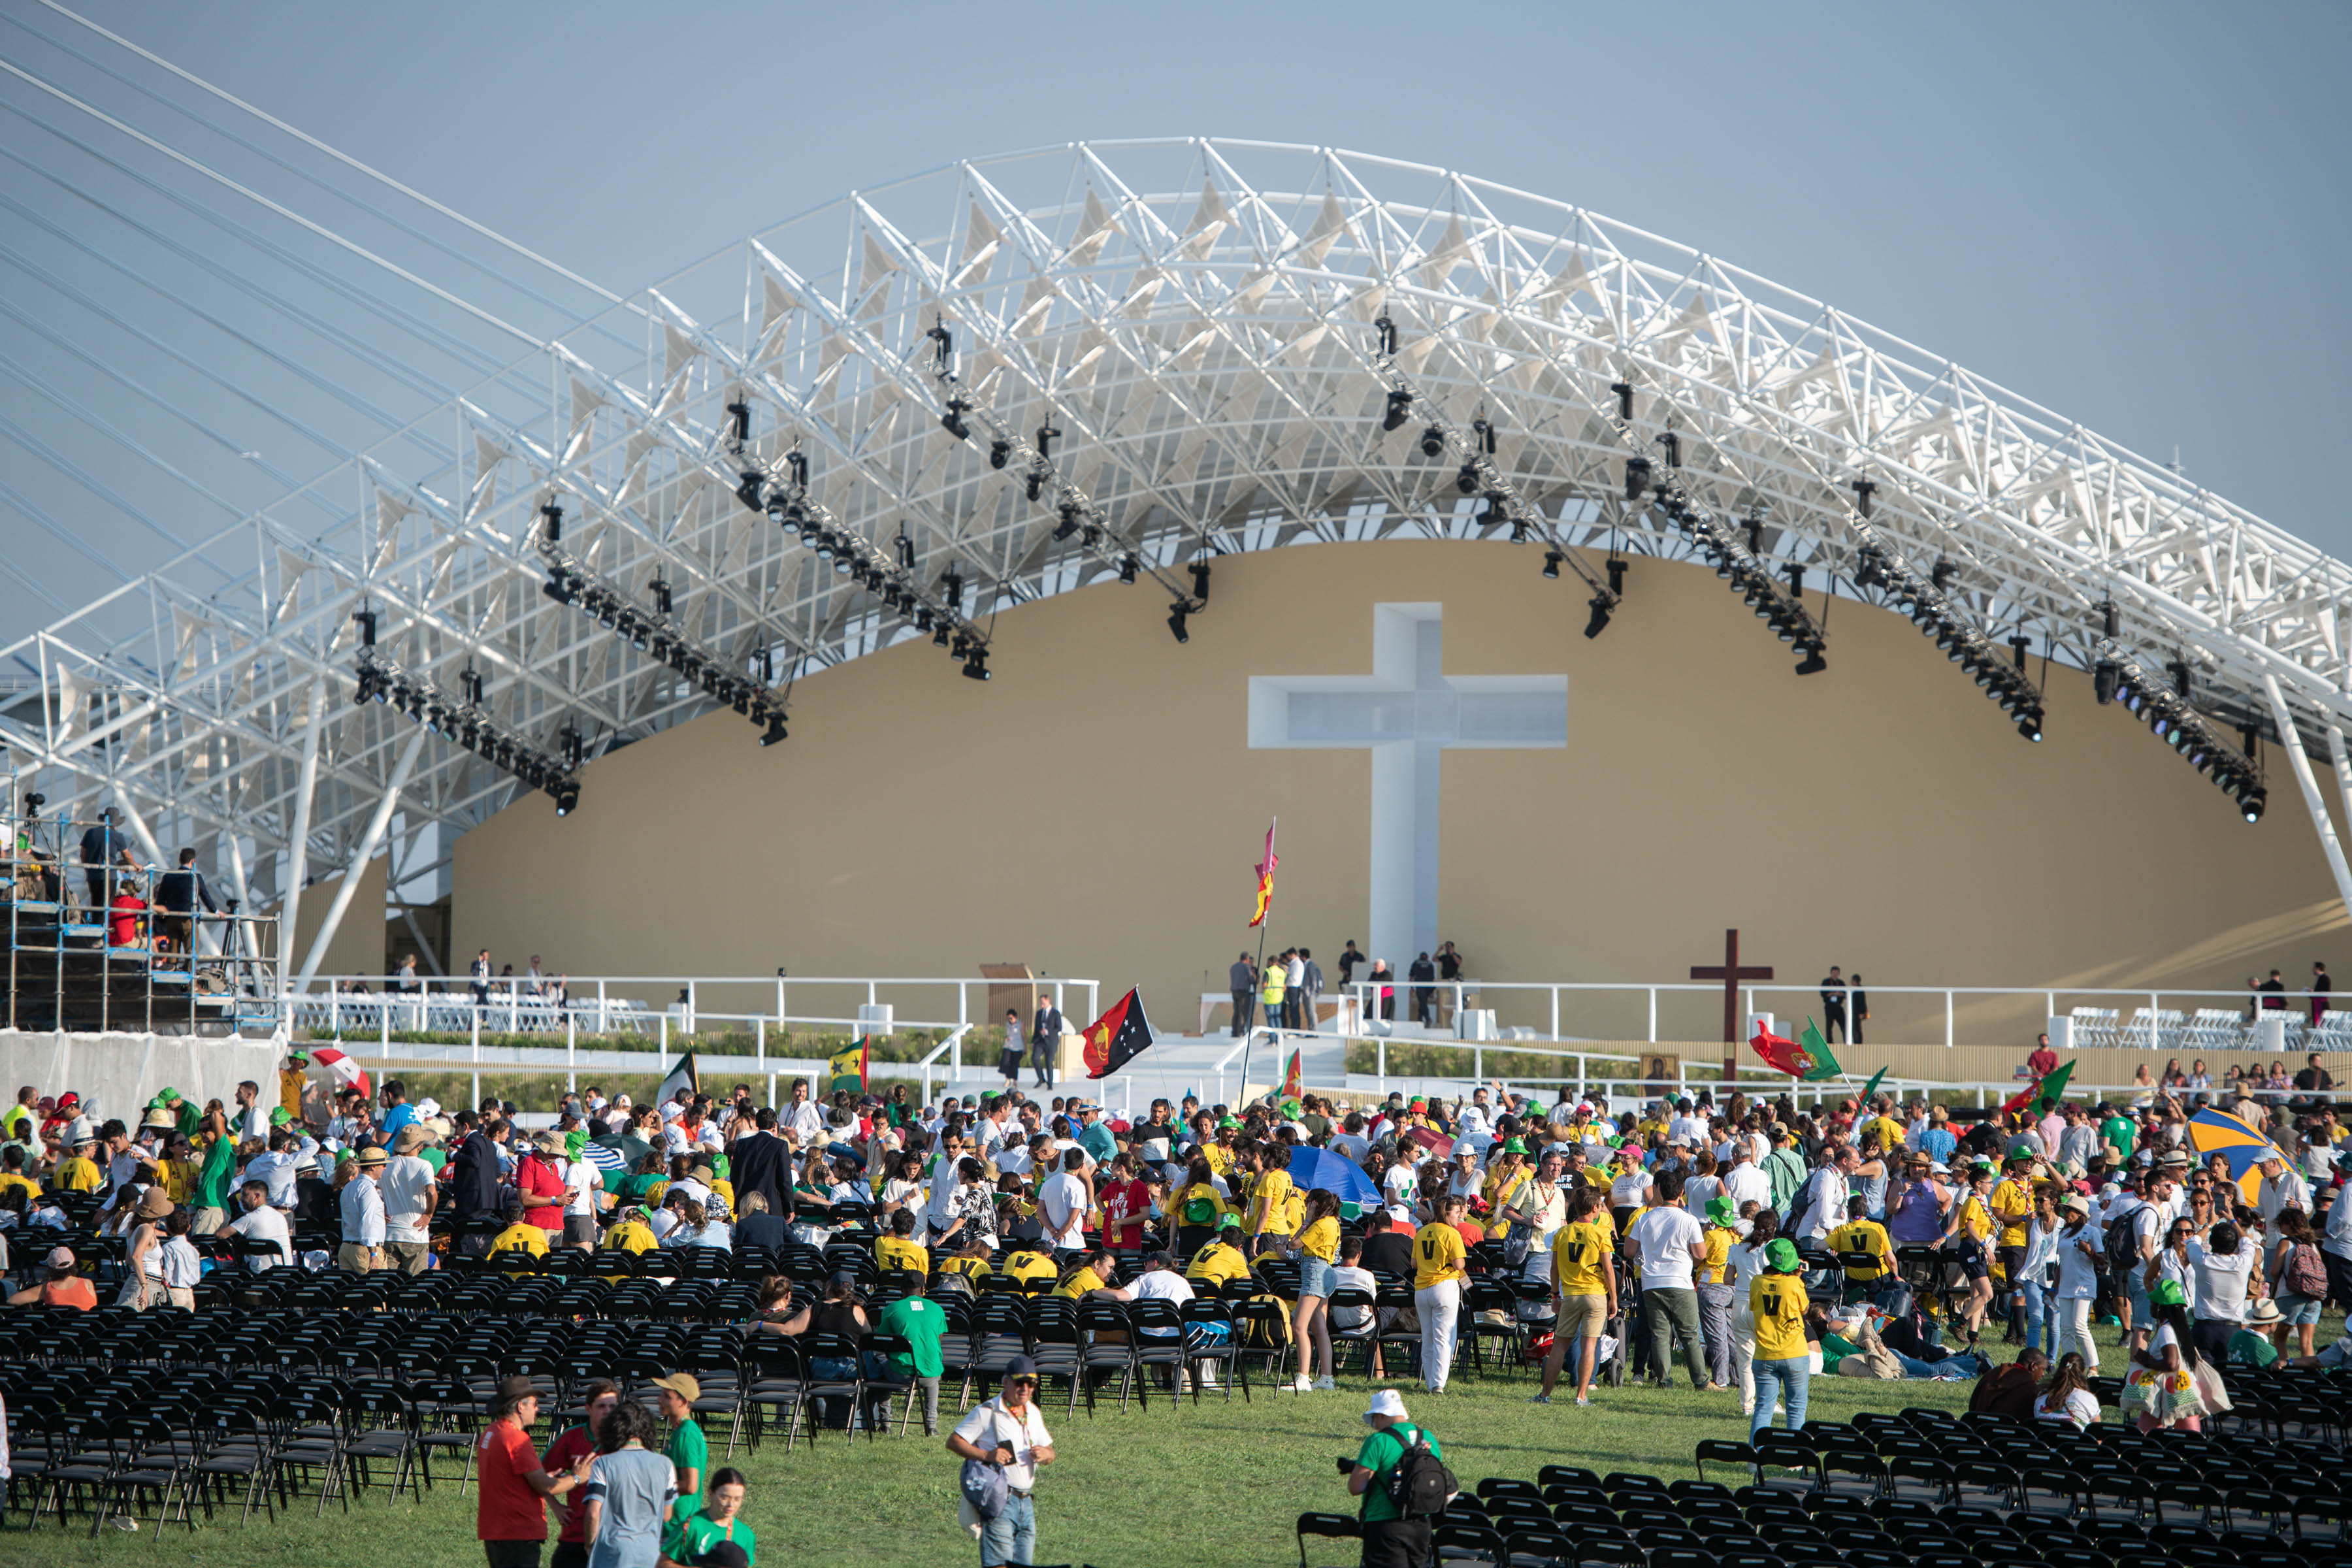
<point x="1113" y="1039"/>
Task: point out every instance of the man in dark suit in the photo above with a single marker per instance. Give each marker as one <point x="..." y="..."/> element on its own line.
<point x="473" y="1182"/>
<point x="1244" y="980"/>
<point x="1424" y="997"/>
<point x="760" y="1163"/>
<point x="1044" y="1042"/>
<point x="1834" y="992"/>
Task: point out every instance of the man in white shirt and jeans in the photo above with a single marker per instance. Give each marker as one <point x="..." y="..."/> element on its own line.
<point x="1668" y="1242"/>
<point x="1062" y="1203"/>
<point x="409" y="1196"/>
<point x="1006" y="1432"/>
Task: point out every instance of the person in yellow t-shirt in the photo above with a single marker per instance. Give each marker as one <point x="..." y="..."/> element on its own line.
<point x="1438" y="1277"/>
<point x="899" y="1249"/>
<point x="1861" y="1235"/>
<point x="1505" y="1179"/>
<point x="1584" y="1292"/>
<point x="1196" y="1209"/>
<point x="1028" y="1265"/>
<point x="519" y="1236"/>
<point x="1964" y="1250"/>
<point x="971" y="1261"/>
<point x="1782" y="1364"/>
<point x="78" y="1171"/>
<point x="1269" y="1209"/>
<point x="1221" y="1262"/>
<point x="1889" y="1131"/>
<point x="13" y="1178"/>
<point x="2012" y="1207"/>
<point x="1317" y="1248"/>
<point x="1716" y="1296"/>
<point x="1090" y="1270"/>
<point x="632" y="1234"/>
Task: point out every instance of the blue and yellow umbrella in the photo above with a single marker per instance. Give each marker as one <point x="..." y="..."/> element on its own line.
<point x="2214" y="1132"/>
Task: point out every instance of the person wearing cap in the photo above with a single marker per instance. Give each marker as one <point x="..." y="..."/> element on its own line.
<point x="1007" y="1432"/>
<point x="689" y="1452"/>
<point x="360" y="1206"/>
<point x="510" y="1506"/>
<point x="60" y="1285"/>
<point x="1964" y="1234"/>
<point x="2078" y="1250"/>
<point x="539" y="1178"/>
<point x="920" y="1321"/>
<point x="1782" y="1364"/>
<point x="2012" y="1209"/>
<point x="1390" y="1540"/>
<point x="410" y="1195"/>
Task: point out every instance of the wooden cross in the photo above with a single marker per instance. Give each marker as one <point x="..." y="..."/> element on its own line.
<point x="1731" y="974"/>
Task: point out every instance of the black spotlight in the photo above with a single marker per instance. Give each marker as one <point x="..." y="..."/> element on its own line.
<point x="1034" y="483"/>
<point x="775" y="731"/>
<point x="748" y="488"/>
<point x="975" y="665"/>
<point x="567" y="798"/>
<point x="1637" y="477"/>
<point x="1432" y="442"/>
<point x="1126" y="566"/>
<point x="999" y="454"/>
<point x="952" y="420"/>
<point x="469" y="681"/>
<point x="1616" y="577"/>
<point x="1200" y="581"/>
<point x="1552" y="558"/>
<point x="1863" y="490"/>
<point x="739" y="422"/>
<point x="1624" y="390"/>
<point x="940" y="634"/>
<point x="659" y="587"/>
<point x="1069" y="523"/>
<point x="366" y="619"/>
<point x="2029" y="724"/>
<point x="2251" y="802"/>
<point x="550" y="519"/>
<point x="1467" y="482"/>
<point x="1176" y="614"/>
<point x="952" y="585"/>
<point x="1812" y="663"/>
<point x="1400" y="410"/>
<point x="2105" y="677"/>
<point x="1672" y="449"/>
<point x="1046" y="435"/>
<point x="1600" y="604"/>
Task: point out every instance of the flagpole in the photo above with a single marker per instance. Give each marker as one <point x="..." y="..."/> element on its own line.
<point x="1249" y="1036"/>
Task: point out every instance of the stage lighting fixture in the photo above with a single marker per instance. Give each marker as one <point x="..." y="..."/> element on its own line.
<point x="1467" y="482"/>
<point x="738" y="421"/>
<point x="923" y="618"/>
<point x="1388" y="333"/>
<point x="822" y="543"/>
<point x="975" y="665"/>
<point x="1671" y="450"/>
<point x="569" y="738"/>
<point x="567" y="798"/>
<point x="1518" y="530"/>
<point x="1797" y="581"/>
<point x="1432" y="442"/>
<point x="1637" y="478"/>
<point x="659" y="588"/>
<point x="952" y="420"/>
<point x="749" y="486"/>
<point x="1943" y="575"/>
<point x="906" y="549"/>
<point x="1616" y="577"/>
<point x="2111" y="620"/>
<point x="1812" y="663"/>
<point x="940" y="634"/>
<point x="2180" y="671"/>
<point x="1552" y="558"/>
<point x="1600" y="604"/>
<point x="1069" y="523"/>
<point x="1200" y="581"/>
<point x="1485" y="431"/>
<point x="1047" y="434"/>
<point x="555" y="589"/>
<point x="952" y="585"/>
<point x="1034" y="483"/>
<point x="775" y="730"/>
<point x="1624" y="390"/>
<point x="1127" y="565"/>
<point x="1176" y="614"/>
<point x="844" y="563"/>
<point x="366" y="619"/>
<point x="1400" y="410"/>
<point x="551" y="522"/>
<point x="999" y="452"/>
<point x="469" y="681"/>
<point x="2018" y="645"/>
<point x="1863" y="490"/>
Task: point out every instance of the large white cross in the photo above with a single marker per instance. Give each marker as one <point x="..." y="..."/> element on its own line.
<point x="1409" y="713"/>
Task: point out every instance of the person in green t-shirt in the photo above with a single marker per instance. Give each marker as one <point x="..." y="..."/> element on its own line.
<point x="2120" y="1130"/>
<point x="920" y="1321"/>
<point x="214" y="1176"/>
<point x="1389" y="1537"/>
<point x="688" y="1451"/>
<point x="721" y="1517"/>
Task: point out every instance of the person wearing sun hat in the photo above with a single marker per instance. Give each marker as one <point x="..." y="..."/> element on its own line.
<point x="1717" y="1298"/>
<point x="1390" y="1540"/>
<point x="1778" y="1300"/>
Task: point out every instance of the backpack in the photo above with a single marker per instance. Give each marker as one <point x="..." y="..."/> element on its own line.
<point x="1201" y="1211"/>
<point x="1418" y="1485"/>
<point x="2305" y="1275"/>
<point x="2121" y="1237"/>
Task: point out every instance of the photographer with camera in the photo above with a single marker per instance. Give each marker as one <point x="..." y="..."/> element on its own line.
<point x="1405" y="1485"/>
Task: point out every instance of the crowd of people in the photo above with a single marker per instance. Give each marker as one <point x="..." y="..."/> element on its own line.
<point x="1756" y="1244"/>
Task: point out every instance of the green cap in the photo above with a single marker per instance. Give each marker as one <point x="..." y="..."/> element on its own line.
<point x="2167" y="1293"/>
<point x="300" y="1059"/>
<point x="1723" y="1211"/>
<point x="1230" y="1122"/>
<point x="1292" y="1109"/>
<point x="169" y="1096"/>
<point x="1515" y="1145"/>
<point x="720" y="1169"/>
<point x="279" y="1116"/>
<point x="1781" y="1258"/>
<point x="343" y="1154"/>
<point x="1988" y="1167"/>
<point x="2019" y="1148"/>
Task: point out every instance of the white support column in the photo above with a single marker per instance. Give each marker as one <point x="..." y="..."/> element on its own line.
<point x="2343" y="768"/>
<point x="2293" y="746"/>
<point x="298" y="844"/>
<point x="401" y="769"/>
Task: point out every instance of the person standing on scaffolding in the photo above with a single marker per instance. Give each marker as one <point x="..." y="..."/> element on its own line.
<point x="104" y="851"/>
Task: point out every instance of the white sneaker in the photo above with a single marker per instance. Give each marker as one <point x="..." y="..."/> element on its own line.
<point x="1302" y="1385"/>
<point x="1584" y="1399"/>
<point x="1324" y="1385"/>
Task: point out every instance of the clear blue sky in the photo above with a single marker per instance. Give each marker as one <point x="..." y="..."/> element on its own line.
<point x="2133" y="214"/>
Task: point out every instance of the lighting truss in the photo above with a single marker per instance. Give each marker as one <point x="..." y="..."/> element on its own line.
<point x="788" y="502"/>
<point x="656" y="633"/>
<point x="2161" y="702"/>
<point x="1043" y="482"/>
<point x="469" y="725"/>
<point x="1880" y="564"/>
<point x="1479" y="474"/>
<point x="1734" y="558"/>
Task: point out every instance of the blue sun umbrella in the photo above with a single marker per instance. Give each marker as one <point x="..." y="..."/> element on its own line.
<point x="1312" y="1168"/>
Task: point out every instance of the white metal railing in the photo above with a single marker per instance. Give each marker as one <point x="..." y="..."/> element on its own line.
<point x="1596" y="1009"/>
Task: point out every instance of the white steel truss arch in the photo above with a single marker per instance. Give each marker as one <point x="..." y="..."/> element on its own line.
<point x="1198" y="319"/>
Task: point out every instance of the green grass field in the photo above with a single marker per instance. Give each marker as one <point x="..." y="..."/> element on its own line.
<point x="1220" y="1484"/>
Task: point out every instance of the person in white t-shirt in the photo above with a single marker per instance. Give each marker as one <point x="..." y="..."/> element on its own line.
<point x="1743" y="1182"/>
<point x="177" y="1263"/>
<point x="1670" y="1242"/>
<point x="2222" y="1268"/>
<point x="583" y="1190"/>
<point x="1008" y="1433"/>
<point x="1062" y="1204"/>
<point x="2079" y="1243"/>
<point x="259" y="1222"/>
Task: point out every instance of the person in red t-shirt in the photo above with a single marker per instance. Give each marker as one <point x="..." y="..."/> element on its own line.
<point x="1126" y="1204"/>
<point x="538" y="1177"/>
<point x="573" y="1447"/>
<point x="123" y="927"/>
<point x="510" y="1518"/>
<point x="2044" y="1061"/>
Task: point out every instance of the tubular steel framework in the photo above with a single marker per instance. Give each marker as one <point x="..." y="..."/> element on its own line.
<point x="1210" y="334"/>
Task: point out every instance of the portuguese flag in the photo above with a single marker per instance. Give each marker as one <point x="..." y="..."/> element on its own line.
<point x="1810" y="1062"/>
<point x="1113" y="1039"/>
<point x="847" y="1069"/>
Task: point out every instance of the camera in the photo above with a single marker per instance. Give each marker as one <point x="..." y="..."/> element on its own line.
<point x="1347" y="1465"/>
<point x="33" y="804"/>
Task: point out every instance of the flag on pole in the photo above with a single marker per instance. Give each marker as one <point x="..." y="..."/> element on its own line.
<point x="1810" y="1062"/>
<point x="1113" y="1039"/>
<point x="1265" y="878"/>
<point x="1291" y="1088"/>
<point x="846" y="1068"/>
<point x="680" y="1082"/>
<point x="1871" y="1088"/>
<point x="2022" y="1099"/>
<point x="2054" y="1088"/>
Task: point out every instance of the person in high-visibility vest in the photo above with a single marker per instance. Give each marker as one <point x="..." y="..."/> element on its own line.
<point x="1270" y="993"/>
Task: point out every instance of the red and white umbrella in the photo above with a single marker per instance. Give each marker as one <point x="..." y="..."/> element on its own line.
<point x="330" y="1073"/>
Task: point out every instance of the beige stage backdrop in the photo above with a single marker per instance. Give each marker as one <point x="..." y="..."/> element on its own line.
<point x="1095" y="810"/>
